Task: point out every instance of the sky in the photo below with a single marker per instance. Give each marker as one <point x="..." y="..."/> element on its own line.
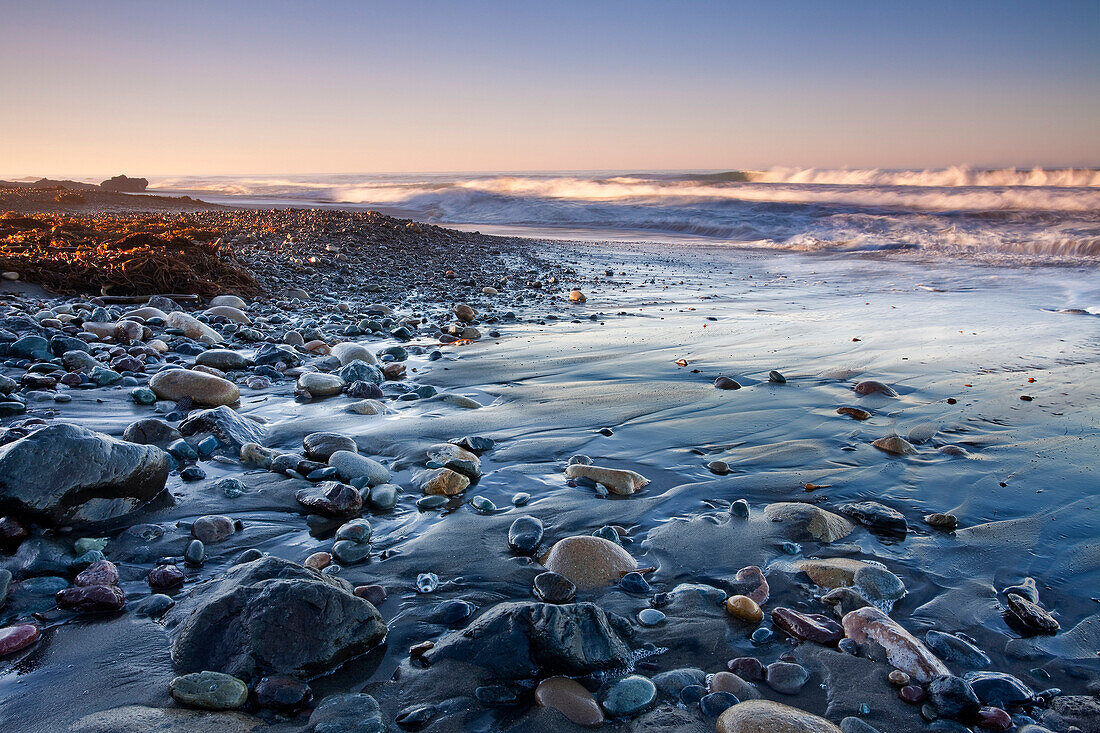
<point x="160" y="88"/>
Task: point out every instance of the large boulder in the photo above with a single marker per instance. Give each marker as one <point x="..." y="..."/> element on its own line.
<point x="125" y="184"/>
<point x="271" y="616"/>
<point x="66" y="474"/>
<point x="525" y="639"/>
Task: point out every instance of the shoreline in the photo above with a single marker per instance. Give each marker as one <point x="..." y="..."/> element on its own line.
<point x="555" y="377"/>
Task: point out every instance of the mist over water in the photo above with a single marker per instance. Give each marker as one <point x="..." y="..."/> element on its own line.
<point x="1028" y="216"/>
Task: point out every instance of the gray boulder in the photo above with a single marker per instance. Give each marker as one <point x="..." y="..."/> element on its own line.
<point x="527" y="639"/>
<point x="66" y="474"/>
<point x="347" y="713"/>
<point x="271" y="616"/>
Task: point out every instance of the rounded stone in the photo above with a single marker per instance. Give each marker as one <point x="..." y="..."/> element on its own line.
<point x="554" y="588"/>
<point x="319" y="384"/>
<point x="786" y="677"/>
<point x="589" y="562"/>
<point x="212" y="529"/>
<point x="629" y="696"/>
<point x="650" y="617"/>
<point x="571" y="699"/>
<point x="745" y="609"/>
<point x="209" y="691"/>
<point x="203" y="389"/>
<point x="716" y="703"/>
<point x="765" y="716"/>
<point x="16" y="638"/>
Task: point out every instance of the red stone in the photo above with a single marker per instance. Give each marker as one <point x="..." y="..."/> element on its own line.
<point x="165" y="576"/>
<point x="994" y="719"/>
<point x="91" y="598"/>
<point x="912" y="694"/>
<point x="747" y="668"/>
<point x="14" y="638"/>
<point x="808" y="626"/>
<point x="754" y="575"/>
<point x="101" y="572"/>
<point x="374" y="594"/>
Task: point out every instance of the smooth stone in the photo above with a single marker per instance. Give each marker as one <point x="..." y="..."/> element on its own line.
<point x="571" y="699"/>
<point x="204" y="389"/>
<point x="765" y="716"/>
<point x="367" y="407"/>
<point x="525" y="534"/>
<point x="441" y="481"/>
<point x="195" y="552"/>
<point x="843" y="600"/>
<point x="554" y="588"/>
<point x="19" y="637"/>
<point x="347" y="713"/>
<point x="226" y="360"/>
<point x="153" y="606"/>
<point x="747" y="668"/>
<point x="347" y="352"/>
<point x="455" y="458"/>
<point x="812" y="520"/>
<point x="628" y="696"/>
<point x="635" y="582"/>
<point x="726" y="383"/>
<point x="651" y="617"/>
<point x="331" y="499"/>
<point x="744" y="609"/>
<point x="895" y="445"/>
<point x="876" y="517"/>
<point x="878" y="584"/>
<point x="209" y="691"/>
<point x="233" y="301"/>
<point x="321" y="446"/>
<point x="101" y="572"/>
<point x="350" y="466"/>
<point x="227" y="311"/>
<point x="673" y="682"/>
<point x="870" y="625"/>
<point x="716" y="703"/>
<point x="349" y="553"/>
<point x="589" y="562"/>
<point x="213" y="529"/>
<point x="833" y="572"/>
<point x="786" y="677"/>
<point x="192" y="327"/>
<point x="617" y="481"/>
<point x="998" y="688"/>
<point x="319" y="384"/>
<point x="165" y="576"/>
<point x="384" y="496"/>
<point x="872" y="387"/>
<point x="807" y="626"/>
<point x="856" y="413"/>
<point x="373" y="594"/>
<point x="735" y="685"/>
<point x="91" y="598"/>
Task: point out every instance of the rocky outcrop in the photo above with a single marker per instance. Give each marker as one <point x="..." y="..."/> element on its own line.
<point x="66" y="474"/>
<point x="125" y="184"/>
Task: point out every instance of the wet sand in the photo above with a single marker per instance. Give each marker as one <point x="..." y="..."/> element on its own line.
<point x="958" y="343"/>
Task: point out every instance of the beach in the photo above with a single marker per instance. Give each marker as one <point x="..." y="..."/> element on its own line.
<point x="858" y="481"/>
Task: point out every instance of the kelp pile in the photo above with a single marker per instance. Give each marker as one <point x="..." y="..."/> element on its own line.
<point x="110" y="255"/>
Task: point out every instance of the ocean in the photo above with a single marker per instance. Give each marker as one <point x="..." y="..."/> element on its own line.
<point x="1011" y="216"/>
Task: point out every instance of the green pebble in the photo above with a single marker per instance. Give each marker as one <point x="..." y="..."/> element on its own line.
<point x="209" y="691"/>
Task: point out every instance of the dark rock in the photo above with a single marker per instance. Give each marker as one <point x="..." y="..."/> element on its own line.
<point x="674" y="681"/>
<point x="151" y="431"/>
<point x="876" y="517"/>
<point x="282" y="693"/>
<point x="272" y="616"/>
<point x="227" y="425"/>
<point x="726" y="383"/>
<point x="332" y="499"/>
<point x="526" y="639"/>
<point x="101" y="572"/>
<point x="65" y="474"/>
<point x="999" y="688"/>
<point x="38" y="556"/>
<point x="347" y="713"/>
<point x="319" y="446"/>
<point x="747" y="668"/>
<point x="125" y="184"/>
<point x="956" y="650"/>
<point x="1074" y="710"/>
<point x="1028" y="616"/>
<point x="270" y="354"/>
<point x="165" y="576"/>
<point x="554" y="588"/>
<point x="525" y="534"/>
<point x="716" y="703"/>
<point x="786" y="677"/>
<point x="475" y="443"/>
<point x="953" y="698"/>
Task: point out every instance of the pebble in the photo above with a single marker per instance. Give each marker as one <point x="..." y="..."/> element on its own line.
<point x="373" y="594"/>
<point x="786" y="677"/>
<point x="212" y="529"/>
<point x="878" y="584"/>
<point x="651" y="617"/>
<point x="384" y="496"/>
<point x="744" y="609"/>
<point x="285" y="694"/>
<point x="209" y="691"/>
<point x="776" y="378"/>
<point x="617" y="481"/>
<point x="349" y="552"/>
<point x="718" y="468"/>
<point x="635" y="582"/>
<point x="554" y="588"/>
<point x="1033" y="618"/>
<point x="165" y="576"/>
<point x="525" y="534"/>
<point x="628" y="696"/>
<point x="195" y="552"/>
<point x="942" y="521"/>
<point x="896" y="445"/>
<point x="903" y="650"/>
<point x="91" y="598"/>
<point x="17" y="638"/>
<point x="153" y="606"/>
<point x="483" y="505"/>
<point x="442" y="481"/>
<point x="571" y="699"/>
<point x="318" y="561"/>
<point x="747" y="668"/>
<point x="331" y="499"/>
<point x="952" y="697"/>
<point x="431" y="502"/>
<point x="427" y="582"/>
<point x="454" y="612"/>
<point x="319" y="384"/>
<point x="956" y="650"/>
<point x="589" y="562"/>
<point x="872" y="387"/>
<point x="734" y="684"/>
<point x="740" y="508"/>
<point x="726" y="383"/>
<point x="766" y="716"/>
<point x="716" y="703"/>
